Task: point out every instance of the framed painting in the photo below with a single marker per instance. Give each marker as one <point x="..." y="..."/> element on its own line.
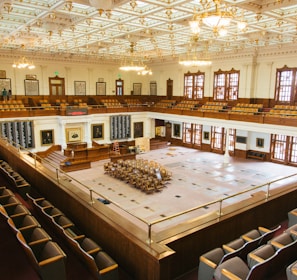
<point x="101" y="88"/>
<point x="73" y="134"/>
<point x="260" y="142"/>
<point x="31" y="87"/>
<point x="138" y="129"/>
<point x="5" y="83"/>
<point x="47" y="137"/>
<point x="153" y="88"/>
<point x="137" y="89"/>
<point x="98" y="131"/>
<point x="206" y="135"/>
<point x="79" y="88"/>
<point x="176" y="130"/>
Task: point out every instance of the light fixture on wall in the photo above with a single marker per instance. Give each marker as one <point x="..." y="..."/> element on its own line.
<point x="23" y="63"/>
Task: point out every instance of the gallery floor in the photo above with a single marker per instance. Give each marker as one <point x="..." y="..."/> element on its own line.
<point x="198" y="178"/>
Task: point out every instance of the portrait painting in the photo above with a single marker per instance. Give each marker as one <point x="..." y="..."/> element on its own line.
<point x="98" y="131"/>
<point x="47" y="137"/>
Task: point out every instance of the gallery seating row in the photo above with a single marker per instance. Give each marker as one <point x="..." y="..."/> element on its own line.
<point x="265" y="261"/>
<point x="99" y="263"/>
<point x="111" y="103"/>
<point x="12" y="107"/>
<point x="187" y="105"/>
<point x="240" y="247"/>
<point x="292" y="217"/>
<point x="45" y="256"/>
<point x="131" y="102"/>
<point x="14" y="179"/>
<point x="166" y="103"/>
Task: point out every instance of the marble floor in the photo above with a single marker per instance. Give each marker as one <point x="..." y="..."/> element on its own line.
<point x="197" y="179"/>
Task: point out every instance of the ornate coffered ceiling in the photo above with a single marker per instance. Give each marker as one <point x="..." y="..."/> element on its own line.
<point x="103" y="30"/>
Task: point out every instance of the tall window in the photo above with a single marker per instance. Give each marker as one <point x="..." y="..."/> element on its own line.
<point x="278" y="147"/>
<point x="293" y="150"/>
<point x="187" y="135"/>
<point x="232" y="136"/>
<point x="217" y="138"/>
<point x="284" y="148"/>
<point x="197" y="134"/>
<point x="286" y="85"/>
<point x="194" y="85"/>
<point x="192" y="133"/>
<point x="226" y="85"/>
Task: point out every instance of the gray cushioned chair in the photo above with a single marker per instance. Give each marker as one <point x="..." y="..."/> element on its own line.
<point x="291" y="271"/>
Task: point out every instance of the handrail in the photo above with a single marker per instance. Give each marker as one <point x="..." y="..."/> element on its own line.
<point x="158" y="221"/>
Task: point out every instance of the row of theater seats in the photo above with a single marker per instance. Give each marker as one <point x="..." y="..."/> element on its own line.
<point x="258" y="254"/>
<point x="99" y="263"/>
<point x="187" y="105"/>
<point x="14" y="179"/>
<point x="45" y="256"/>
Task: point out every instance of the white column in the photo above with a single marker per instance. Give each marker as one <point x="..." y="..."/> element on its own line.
<point x="226" y="155"/>
<point x="62" y="134"/>
<point x="88" y="134"/>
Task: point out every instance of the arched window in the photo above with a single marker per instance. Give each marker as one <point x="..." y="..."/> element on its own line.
<point x="285" y="87"/>
<point x="226" y="85"/>
<point x="194" y="85"/>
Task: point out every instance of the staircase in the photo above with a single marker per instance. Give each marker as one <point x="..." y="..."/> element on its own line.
<point x="55" y="158"/>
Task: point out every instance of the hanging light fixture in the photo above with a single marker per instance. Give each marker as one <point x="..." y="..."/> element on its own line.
<point x="102" y="5"/>
<point x="192" y="59"/>
<point x="23" y="63"/>
<point x="145" y="71"/>
<point x="216" y="19"/>
<point x="131" y="63"/>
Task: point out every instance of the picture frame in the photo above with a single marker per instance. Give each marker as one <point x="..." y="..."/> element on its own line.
<point x="47" y="137"/>
<point x="5" y="83"/>
<point x="176" y="132"/>
<point x="259" y="142"/>
<point x="98" y="131"/>
<point x="73" y="134"/>
<point x="31" y="87"/>
<point x="206" y="135"/>
<point x="241" y="139"/>
<point x="79" y="88"/>
<point x="137" y="88"/>
<point x="153" y="88"/>
<point x="101" y="88"/>
<point x="138" y="129"/>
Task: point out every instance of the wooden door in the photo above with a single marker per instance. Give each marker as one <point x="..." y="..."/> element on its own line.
<point x="119" y="87"/>
<point x="57" y="86"/>
<point x="169" y="88"/>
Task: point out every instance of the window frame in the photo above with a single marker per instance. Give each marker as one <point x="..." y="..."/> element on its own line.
<point x="194" y="85"/>
<point x="226" y="85"/>
<point x="280" y="84"/>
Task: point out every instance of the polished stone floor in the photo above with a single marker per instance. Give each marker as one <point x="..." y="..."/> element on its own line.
<point x="198" y="178"/>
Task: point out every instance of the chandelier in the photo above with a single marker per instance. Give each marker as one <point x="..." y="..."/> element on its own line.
<point x="195" y="62"/>
<point x="217" y="19"/>
<point x="145" y="71"/>
<point x="131" y="63"/>
<point x="102" y="5"/>
<point x="23" y="63"/>
<point x="191" y="58"/>
<point x="132" y="66"/>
